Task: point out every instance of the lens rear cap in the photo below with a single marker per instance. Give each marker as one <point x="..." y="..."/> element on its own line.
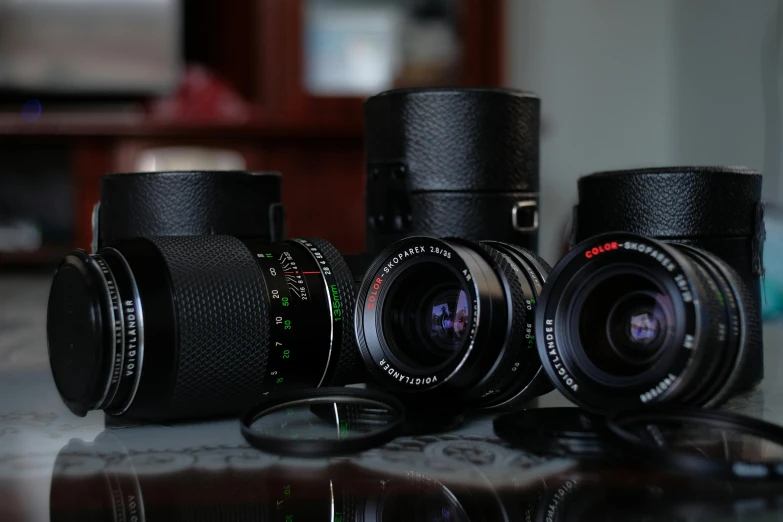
<point x="557" y="432"/>
<point x="79" y="328"/>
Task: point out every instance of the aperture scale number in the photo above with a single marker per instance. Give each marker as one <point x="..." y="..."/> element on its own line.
<point x="287" y="269"/>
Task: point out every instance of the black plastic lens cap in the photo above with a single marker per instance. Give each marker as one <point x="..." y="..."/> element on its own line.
<point x="78" y="327"/>
<point x="559" y="432"/>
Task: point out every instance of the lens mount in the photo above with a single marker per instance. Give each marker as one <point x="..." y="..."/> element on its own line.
<point x="415" y="268"/>
<point x="566" y="350"/>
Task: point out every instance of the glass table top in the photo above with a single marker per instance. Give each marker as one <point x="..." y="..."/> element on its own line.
<point x="56" y="466"/>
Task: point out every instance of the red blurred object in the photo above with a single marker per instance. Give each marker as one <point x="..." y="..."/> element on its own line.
<point x="202" y="96"/>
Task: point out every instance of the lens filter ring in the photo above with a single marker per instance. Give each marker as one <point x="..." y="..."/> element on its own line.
<point x="691" y="440"/>
<point x="323" y="422"/>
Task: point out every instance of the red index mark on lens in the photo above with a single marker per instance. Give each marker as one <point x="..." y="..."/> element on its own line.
<point x="311" y="272"/>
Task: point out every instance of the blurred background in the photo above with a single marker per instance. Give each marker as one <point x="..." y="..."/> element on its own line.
<point x="95" y="86"/>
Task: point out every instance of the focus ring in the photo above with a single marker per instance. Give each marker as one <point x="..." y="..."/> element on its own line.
<point x="540" y="261"/>
<point x="502" y="376"/>
<point x="749" y="322"/>
<point x="222" y="318"/>
<point x="707" y="362"/>
<point x="349" y="367"/>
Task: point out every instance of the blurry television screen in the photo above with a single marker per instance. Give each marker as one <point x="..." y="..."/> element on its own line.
<point x="90" y="46"/>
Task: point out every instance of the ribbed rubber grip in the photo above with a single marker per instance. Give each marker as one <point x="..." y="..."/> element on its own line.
<point x="222" y="319"/>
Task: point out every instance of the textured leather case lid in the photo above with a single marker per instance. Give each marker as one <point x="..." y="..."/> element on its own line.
<point x="236" y="203"/>
<point x="670" y="203"/>
<point x="457" y="139"/>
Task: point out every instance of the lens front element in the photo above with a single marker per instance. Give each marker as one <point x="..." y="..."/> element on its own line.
<point x="623" y="322"/>
<point x="427" y="314"/>
<point x="637" y="325"/>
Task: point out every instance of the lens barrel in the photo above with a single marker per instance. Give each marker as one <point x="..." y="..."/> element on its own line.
<point x="183" y="327"/>
<point x="450" y="317"/>
<point x="626" y="321"/>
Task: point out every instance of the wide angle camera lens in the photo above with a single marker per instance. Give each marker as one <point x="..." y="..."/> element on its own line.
<point x="453" y="318"/>
<point x="626" y="321"/>
<point x="182" y="327"/>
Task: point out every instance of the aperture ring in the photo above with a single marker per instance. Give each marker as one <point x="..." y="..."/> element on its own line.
<point x="345" y="365"/>
<point x="504" y="371"/>
<point x="333" y="297"/>
<point x="531" y="272"/>
<point x="298" y="326"/>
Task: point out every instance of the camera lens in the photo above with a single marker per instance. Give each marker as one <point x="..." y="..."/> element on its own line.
<point x="451" y="317"/>
<point x="627" y="320"/>
<point x="180" y="327"/>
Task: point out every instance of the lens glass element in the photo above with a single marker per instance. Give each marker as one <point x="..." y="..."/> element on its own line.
<point x="449" y="319"/>
<point x="427" y="315"/>
<point x="624" y="322"/>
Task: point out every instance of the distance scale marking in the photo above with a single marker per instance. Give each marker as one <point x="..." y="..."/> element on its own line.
<point x="298" y="322"/>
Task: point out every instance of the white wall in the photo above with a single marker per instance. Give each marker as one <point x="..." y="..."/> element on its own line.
<point x="724" y="70"/>
<point x="629" y="83"/>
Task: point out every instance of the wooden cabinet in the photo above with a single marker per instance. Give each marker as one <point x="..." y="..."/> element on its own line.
<point x="256" y="48"/>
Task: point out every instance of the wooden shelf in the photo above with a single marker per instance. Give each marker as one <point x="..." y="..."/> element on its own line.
<point x="46" y="255"/>
<point x="346" y="124"/>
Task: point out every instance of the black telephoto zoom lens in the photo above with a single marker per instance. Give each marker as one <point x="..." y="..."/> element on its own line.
<point x="184" y="327"/>
<point x="451" y="318"/>
<point x="627" y="321"/>
<point x="716" y="209"/>
<point x="452" y="162"/>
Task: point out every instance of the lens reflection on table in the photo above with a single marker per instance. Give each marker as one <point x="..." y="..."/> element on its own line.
<point x="99" y="481"/>
<point x="105" y="481"/>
